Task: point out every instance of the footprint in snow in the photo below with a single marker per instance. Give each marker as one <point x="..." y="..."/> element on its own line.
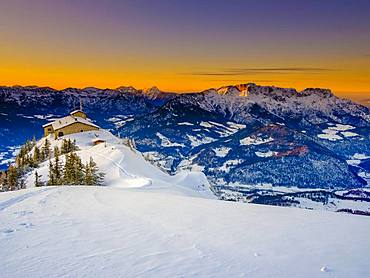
<point x="26" y="225"/>
<point x="23" y="212"/>
<point x="324" y="269"/>
<point x="7" y="231"/>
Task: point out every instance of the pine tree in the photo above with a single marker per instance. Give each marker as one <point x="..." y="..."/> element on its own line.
<point x="74" y="146"/>
<point x="13" y="182"/>
<point x="28" y="146"/>
<point x="29" y="162"/>
<point x="78" y="169"/>
<point x="42" y="155"/>
<point x="92" y="176"/>
<point x="68" y="146"/>
<point x="21" y="182"/>
<point x="4" y="181"/>
<point x="38" y="182"/>
<point x="36" y="155"/>
<point x="64" y="148"/>
<point x="46" y="148"/>
<point x="51" y="180"/>
<point x="58" y="168"/>
<point x="19" y="160"/>
<point x="73" y="170"/>
<point x="68" y="170"/>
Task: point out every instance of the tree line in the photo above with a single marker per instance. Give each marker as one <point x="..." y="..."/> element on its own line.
<point x="30" y="156"/>
<point x="71" y="172"/>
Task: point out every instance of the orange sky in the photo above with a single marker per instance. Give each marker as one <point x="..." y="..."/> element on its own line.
<point x="107" y="45"/>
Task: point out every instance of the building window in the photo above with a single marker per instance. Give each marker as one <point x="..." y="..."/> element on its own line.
<point x="81" y="130"/>
<point x="60" y="134"/>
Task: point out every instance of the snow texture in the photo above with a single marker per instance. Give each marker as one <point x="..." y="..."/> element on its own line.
<point x="122" y="232"/>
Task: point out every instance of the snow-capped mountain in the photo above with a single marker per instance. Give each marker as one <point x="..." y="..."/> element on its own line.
<point x="256" y="135"/>
<point x="245" y="134"/>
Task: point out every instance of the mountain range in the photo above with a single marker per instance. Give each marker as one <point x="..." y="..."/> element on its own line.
<point x="237" y="135"/>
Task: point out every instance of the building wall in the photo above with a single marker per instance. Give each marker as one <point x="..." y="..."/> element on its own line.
<point x="79" y="114"/>
<point x="74" y="128"/>
<point x="48" y="130"/>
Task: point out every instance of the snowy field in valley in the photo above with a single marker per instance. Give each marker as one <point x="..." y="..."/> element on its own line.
<point x="117" y="232"/>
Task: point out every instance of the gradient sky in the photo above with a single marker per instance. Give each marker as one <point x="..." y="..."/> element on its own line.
<point x="186" y="45"/>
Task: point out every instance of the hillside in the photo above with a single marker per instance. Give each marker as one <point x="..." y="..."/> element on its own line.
<point x="136" y="232"/>
<point x="125" y="167"/>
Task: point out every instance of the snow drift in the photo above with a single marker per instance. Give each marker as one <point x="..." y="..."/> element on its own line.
<point x="120" y="232"/>
<point x="126" y="167"/>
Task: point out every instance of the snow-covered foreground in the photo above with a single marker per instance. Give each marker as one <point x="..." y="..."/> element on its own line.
<point x="120" y="232"/>
<point x="146" y="223"/>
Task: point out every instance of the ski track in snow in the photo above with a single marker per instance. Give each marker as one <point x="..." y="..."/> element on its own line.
<point x="122" y="172"/>
<point x="23" y="197"/>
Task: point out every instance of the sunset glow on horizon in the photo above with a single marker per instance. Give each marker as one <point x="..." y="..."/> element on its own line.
<point x="186" y="46"/>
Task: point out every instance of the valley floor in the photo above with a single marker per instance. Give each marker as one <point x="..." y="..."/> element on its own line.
<point x="118" y="232"/>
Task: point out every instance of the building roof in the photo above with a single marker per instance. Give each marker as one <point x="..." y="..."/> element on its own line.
<point x="75" y="111"/>
<point x="45" y="125"/>
<point x="68" y="120"/>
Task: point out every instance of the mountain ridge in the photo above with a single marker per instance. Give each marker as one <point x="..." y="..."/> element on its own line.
<point x="233" y="134"/>
<point x="242" y="87"/>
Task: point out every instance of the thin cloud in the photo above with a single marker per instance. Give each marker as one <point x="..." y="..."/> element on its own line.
<point x="243" y="80"/>
<point x="241" y="70"/>
<point x="253" y="71"/>
<point x="209" y="73"/>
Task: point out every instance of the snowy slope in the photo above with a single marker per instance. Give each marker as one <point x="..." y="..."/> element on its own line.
<point x="127" y="168"/>
<point x="130" y="232"/>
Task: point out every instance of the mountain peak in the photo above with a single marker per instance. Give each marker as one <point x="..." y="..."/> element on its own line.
<point x="126" y="89"/>
<point x="152" y="91"/>
<point x="246" y="89"/>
